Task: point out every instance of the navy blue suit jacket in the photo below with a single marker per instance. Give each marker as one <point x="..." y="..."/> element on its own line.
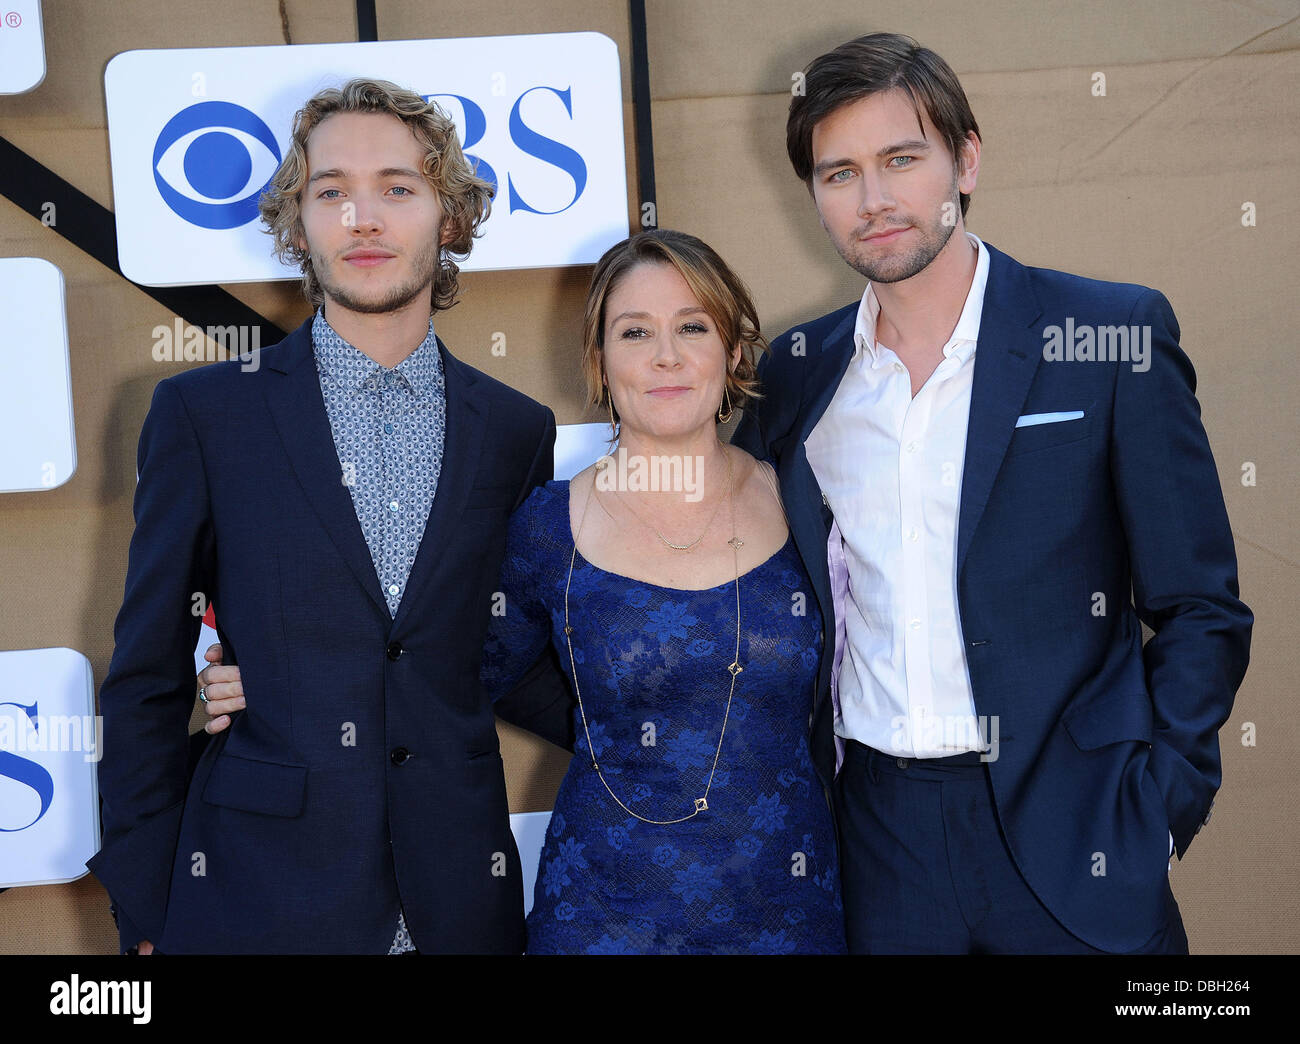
<point x="367" y="760"/>
<point x="1106" y="746"/>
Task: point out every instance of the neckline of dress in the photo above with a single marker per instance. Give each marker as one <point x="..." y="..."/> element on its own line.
<point x="789" y="536"/>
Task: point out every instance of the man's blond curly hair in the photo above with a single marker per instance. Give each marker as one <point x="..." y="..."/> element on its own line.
<point x="465" y="197"/>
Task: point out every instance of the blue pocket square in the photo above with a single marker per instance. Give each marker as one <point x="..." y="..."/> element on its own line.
<point x="1029" y="419"/>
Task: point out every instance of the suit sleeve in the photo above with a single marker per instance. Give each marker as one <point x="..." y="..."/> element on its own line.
<point x="147" y="698"/>
<point x="1184" y="568"/>
<point x="521" y="670"/>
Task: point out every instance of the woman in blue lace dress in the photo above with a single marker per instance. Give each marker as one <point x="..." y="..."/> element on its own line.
<point x="691" y="819"/>
<point x="756" y="871"/>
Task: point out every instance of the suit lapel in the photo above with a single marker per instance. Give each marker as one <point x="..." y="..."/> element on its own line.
<point x="801" y="495"/>
<point x="298" y="411"/>
<point x="1006" y="359"/>
<point x="826" y="374"/>
<point x="799" y="488"/>
<point x="466" y="432"/>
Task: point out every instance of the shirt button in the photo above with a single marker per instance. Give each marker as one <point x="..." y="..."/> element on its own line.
<point x="393" y="589"/>
<point x="911" y="447"/>
<point x="400" y="755"/>
<point x="392" y="505"/>
<point x="916" y="625"/>
<point x="913" y="535"/>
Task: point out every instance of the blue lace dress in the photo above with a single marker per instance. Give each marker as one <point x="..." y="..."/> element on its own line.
<point x="755" y="873"/>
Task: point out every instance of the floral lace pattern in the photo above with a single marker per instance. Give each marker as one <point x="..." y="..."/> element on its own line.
<point x="757" y="871"/>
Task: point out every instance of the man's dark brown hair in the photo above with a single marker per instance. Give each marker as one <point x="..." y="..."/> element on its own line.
<point x="869" y="65"/>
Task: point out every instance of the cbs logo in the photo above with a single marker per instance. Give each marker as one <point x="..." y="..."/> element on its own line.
<point x="213" y="160"/>
<point x="205" y="159"/>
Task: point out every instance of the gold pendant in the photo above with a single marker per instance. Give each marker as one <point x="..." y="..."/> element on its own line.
<point x="701" y="805"/>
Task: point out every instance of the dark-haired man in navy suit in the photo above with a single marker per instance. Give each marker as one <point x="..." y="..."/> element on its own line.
<point x="343" y="504"/>
<point x="995" y="474"/>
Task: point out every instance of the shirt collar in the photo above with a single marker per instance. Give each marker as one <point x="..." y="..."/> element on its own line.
<point x="351" y="367"/>
<point x="966" y="332"/>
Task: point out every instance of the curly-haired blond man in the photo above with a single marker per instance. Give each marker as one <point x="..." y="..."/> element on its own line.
<point x="342" y="504"/>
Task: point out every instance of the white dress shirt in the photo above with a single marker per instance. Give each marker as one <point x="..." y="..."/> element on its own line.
<point x="890" y="468"/>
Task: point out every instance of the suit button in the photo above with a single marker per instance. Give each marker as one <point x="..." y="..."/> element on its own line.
<point x="394" y="650"/>
<point x="400" y="755"/>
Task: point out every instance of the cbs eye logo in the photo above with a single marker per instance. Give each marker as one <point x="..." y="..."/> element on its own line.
<point x="205" y="159"/>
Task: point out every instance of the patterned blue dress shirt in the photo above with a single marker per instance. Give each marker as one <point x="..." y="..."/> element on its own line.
<point x="389" y="428"/>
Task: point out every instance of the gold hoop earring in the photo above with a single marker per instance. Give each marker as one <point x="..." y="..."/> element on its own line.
<point x="726" y="396"/>
<point x="609" y="401"/>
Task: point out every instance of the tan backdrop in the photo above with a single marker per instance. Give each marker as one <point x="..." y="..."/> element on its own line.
<point x="1145" y="184"/>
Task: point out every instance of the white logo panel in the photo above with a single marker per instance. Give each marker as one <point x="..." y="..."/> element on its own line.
<point x="195" y="135"/>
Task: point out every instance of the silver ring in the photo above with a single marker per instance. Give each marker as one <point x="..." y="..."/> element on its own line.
<point x="203" y="694"/>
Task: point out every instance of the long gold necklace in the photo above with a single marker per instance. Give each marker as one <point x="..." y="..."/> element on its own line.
<point x="734" y="668"/>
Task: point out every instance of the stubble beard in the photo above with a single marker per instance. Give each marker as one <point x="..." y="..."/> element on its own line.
<point x="425" y="270"/>
<point x="894" y="268"/>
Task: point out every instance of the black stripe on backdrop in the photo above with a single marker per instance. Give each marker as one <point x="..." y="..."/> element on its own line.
<point x="90" y="227"/>
<point x="367" y="24"/>
<point x="645" y="146"/>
